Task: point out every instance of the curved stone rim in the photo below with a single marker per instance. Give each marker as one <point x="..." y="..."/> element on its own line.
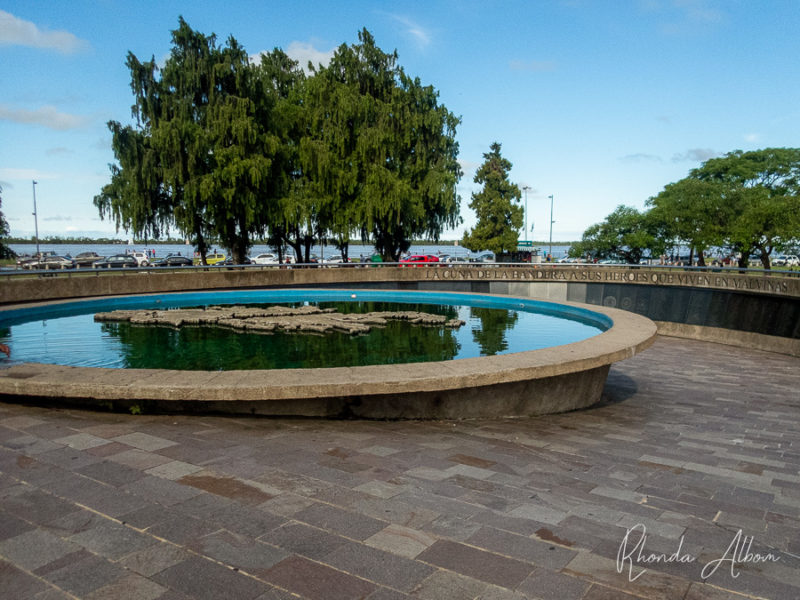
<point x="628" y="335"/>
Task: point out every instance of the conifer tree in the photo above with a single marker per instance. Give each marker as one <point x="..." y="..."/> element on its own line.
<point x="499" y="216"/>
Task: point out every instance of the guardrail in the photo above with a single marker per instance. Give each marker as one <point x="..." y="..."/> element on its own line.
<point x="84" y="272"/>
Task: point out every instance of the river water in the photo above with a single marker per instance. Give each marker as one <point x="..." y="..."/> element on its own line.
<point x="355" y="251"/>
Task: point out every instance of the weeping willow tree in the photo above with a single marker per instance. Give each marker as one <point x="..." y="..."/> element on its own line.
<point x="200" y="155"/>
<point x="381" y="152"/>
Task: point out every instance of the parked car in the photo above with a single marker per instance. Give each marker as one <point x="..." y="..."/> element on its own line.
<point x="86" y="259"/>
<point x="174" y="260"/>
<point x="116" y="261"/>
<point x="54" y="262"/>
<point x="786" y="260"/>
<point x="31" y="262"/>
<point x="455" y="260"/>
<point x="265" y="259"/>
<point x="485" y="257"/>
<point x="229" y="262"/>
<point x="336" y="259"/>
<point x="211" y="259"/>
<point x="419" y="259"/>
<point x="142" y="259"/>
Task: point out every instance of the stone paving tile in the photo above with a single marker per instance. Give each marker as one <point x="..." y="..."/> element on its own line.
<point x="35" y="548"/>
<point x="154" y="559"/>
<point x="143" y="441"/>
<point x="473" y="562"/>
<point x="129" y="587"/>
<point x="239" y="551"/>
<point x="346" y="523"/>
<point x="400" y="540"/>
<point x="470" y="509"/>
<point x="381" y="567"/>
<point x="112" y="540"/>
<point x="202" y="579"/>
<point x="317" y="582"/>
<point x="11" y="526"/>
<point x="444" y="585"/>
<point x="111" y="473"/>
<point x="303" y="540"/>
<point x="174" y="470"/>
<point x="16" y="583"/>
<point x="138" y="459"/>
<point x="522" y="547"/>
<point x="86" y="575"/>
<point x="547" y="585"/>
<point x="81" y="441"/>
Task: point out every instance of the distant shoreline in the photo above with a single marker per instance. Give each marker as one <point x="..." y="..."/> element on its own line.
<point x="113" y="241"/>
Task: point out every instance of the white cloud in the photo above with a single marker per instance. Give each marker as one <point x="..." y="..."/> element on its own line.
<point x="303" y="53"/>
<point x="47" y="116"/>
<point x="18" y="32"/>
<point x="24" y="174"/>
<point x="415" y="30"/>
<point x="59" y="151"/>
<point x="640" y="157"/>
<point x="695" y="155"/>
<point x="752" y="137"/>
<point x="535" y="66"/>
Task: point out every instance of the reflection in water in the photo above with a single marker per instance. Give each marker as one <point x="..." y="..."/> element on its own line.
<point x="491" y="334"/>
<point x="78" y="341"/>
<point x="218" y="348"/>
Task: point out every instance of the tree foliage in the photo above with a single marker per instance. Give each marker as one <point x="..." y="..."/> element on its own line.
<point x="5" y="251"/>
<point x="747" y="202"/>
<point x="225" y="148"/>
<point x="626" y="234"/>
<point x="761" y="189"/>
<point x="381" y="153"/>
<point x="499" y="218"/>
<point x="691" y="212"/>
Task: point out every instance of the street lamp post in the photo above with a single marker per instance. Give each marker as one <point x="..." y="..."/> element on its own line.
<point x="551" y="226"/>
<point x="35" y="218"/>
<point x="525" y="189"/>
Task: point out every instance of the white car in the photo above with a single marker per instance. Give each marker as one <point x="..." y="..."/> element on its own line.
<point x="265" y="259"/>
<point x="141" y="258"/>
<point x="786" y="260"/>
<point x="333" y="260"/>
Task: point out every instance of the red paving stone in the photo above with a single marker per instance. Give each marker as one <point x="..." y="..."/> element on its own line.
<point x="693" y="442"/>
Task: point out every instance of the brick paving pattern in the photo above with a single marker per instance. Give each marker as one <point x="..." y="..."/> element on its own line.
<point x="696" y="444"/>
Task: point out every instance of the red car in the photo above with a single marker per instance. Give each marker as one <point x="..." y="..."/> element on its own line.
<point x="418" y="259"/>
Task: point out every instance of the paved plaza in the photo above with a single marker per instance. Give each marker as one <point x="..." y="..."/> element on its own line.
<point x="696" y="445"/>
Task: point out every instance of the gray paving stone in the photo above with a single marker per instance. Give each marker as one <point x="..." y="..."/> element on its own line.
<point x="381" y="567"/>
<point x="86" y="575"/>
<point x="202" y="579"/>
<point x="112" y="540"/>
<point x="35" y="548"/>
<point x="684" y="444"/>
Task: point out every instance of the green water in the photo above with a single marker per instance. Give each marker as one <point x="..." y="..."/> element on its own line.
<point x="79" y="341"/>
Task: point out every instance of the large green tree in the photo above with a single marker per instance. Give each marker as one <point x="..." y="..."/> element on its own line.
<point x="201" y="153"/>
<point x="496" y="206"/>
<point x="5" y="251"/>
<point x="626" y="234"/>
<point x="691" y="212"/>
<point x="381" y="152"/>
<point x="761" y="189"/>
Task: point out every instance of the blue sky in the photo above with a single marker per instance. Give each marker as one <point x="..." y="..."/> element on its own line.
<point x="598" y="103"/>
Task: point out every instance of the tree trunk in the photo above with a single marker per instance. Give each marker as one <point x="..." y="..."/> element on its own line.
<point x="701" y="259"/>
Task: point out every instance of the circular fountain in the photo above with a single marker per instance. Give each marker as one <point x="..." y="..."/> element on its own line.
<point x="521" y="379"/>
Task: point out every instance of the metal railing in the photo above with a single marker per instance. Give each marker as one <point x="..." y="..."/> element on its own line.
<point x="10" y="273"/>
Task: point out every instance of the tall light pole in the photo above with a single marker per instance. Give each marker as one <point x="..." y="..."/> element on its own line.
<point x="551" y="226"/>
<point x="525" y="189"/>
<point x="35" y="218"/>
